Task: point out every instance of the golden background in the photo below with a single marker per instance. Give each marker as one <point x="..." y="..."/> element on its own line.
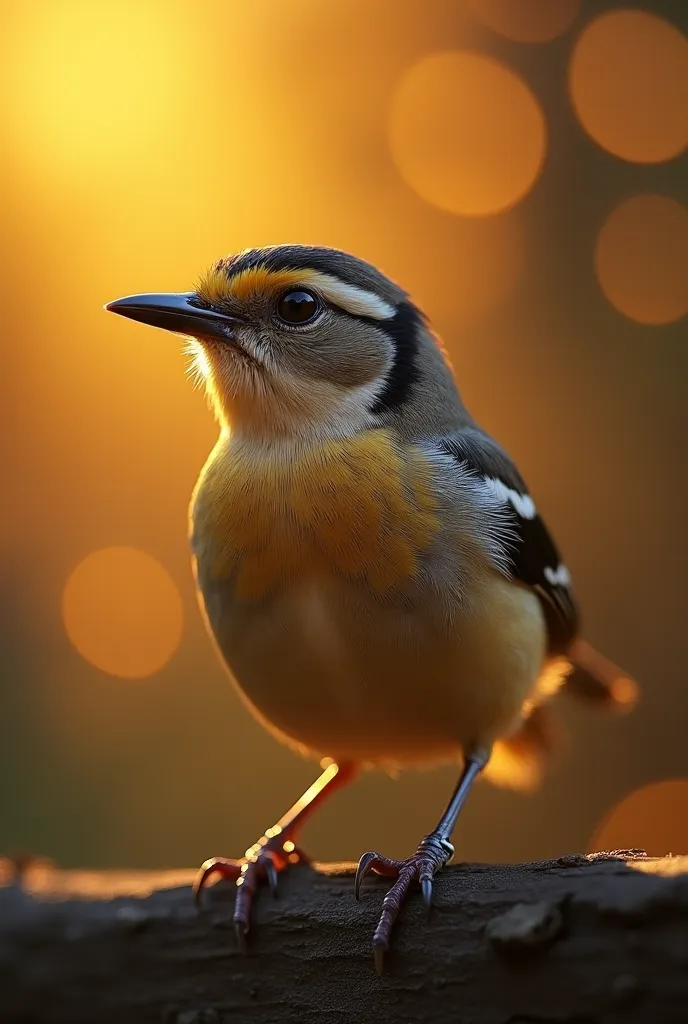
<point x="520" y="167"/>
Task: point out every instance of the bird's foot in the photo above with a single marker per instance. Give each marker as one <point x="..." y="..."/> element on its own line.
<point x="432" y="854"/>
<point x="273" y="852"/>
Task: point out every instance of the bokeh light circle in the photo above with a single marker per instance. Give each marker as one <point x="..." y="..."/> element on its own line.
<point x="629" y="85"/>
<point x="122" y="612"/>
<point x="527" y="21"/>
<point x="466" y="133"/>
<point x="641" y="259"/>
<point x="653" y="818"/>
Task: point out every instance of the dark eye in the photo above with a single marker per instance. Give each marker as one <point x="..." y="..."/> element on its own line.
<point x="298" y="307"/>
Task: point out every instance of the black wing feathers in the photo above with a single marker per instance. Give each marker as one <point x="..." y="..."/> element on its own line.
<point x="534" y="559"/>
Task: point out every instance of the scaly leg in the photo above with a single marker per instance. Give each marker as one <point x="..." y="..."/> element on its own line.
<point x="434" y="851"/>
<point x="273" y="852"/>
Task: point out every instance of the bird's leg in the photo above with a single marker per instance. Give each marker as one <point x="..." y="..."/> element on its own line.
<point x="274" y="851"/>
<point x="434" y="851"/>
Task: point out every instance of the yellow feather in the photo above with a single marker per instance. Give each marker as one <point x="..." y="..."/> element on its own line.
<point x="360" y="506"/>
<point x="215" y="286"/>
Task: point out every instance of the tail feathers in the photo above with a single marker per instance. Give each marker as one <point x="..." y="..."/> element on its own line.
<point x="596" y="680"/>
<point x="519" y="761"/>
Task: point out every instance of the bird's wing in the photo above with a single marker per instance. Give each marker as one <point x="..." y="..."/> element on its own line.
<point x="534" y="558"/>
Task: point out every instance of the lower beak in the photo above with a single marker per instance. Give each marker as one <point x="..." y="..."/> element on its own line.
<point x="178" y="312"/>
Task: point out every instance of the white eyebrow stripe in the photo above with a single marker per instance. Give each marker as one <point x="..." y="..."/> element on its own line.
<point x="351" y="298"/>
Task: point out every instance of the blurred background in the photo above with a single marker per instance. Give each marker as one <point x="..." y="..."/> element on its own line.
<point x="520" y="166"/>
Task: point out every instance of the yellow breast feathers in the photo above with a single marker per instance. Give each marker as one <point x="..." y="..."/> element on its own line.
<point x="361" y="506"/>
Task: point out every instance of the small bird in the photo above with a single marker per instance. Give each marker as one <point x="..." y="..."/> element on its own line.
<point x="372" y="569"/>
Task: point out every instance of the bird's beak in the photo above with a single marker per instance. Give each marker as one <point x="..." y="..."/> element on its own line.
<point x="178" y="312"/>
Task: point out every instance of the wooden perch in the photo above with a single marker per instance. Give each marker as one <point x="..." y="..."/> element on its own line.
<point x="574" y="941"/>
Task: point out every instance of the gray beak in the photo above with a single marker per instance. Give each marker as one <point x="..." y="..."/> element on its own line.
<point x="176" y="311"/>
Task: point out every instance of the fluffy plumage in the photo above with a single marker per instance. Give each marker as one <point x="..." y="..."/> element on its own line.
<point x="359" y="506"/>
<point x="370" y="562"/>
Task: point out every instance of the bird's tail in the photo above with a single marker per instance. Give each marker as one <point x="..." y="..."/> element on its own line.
<point x="519" y="761"/>
<point x="597" y="680"/>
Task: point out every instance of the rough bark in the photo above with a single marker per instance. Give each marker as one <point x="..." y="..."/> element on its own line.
<point x="574" y="941"/>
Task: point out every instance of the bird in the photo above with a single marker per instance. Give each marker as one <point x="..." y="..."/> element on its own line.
<point x="370" y="564"/>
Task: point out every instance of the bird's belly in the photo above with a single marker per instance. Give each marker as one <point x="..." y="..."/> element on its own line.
<point x="335" y="672"/>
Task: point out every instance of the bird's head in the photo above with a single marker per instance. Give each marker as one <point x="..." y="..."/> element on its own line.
<point x="294" y="340"/>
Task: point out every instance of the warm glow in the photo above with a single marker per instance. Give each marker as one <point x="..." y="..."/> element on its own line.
<point x="467" y="133"/>
<point x="142" y="142"/>
<point x="629" y="85"/>
<point x="468" y="274"/>
<point x="641" y="259"/>
<point x="527" y="21"/>
<point x="653" y="818"/>
<point x="625" y="691"/>
<point x="94" y="83"/>
<point x="122" y="611"/>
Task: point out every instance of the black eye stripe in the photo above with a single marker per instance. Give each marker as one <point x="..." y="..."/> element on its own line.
<point x="298" y="306"/>
<point x="403" y="330"/>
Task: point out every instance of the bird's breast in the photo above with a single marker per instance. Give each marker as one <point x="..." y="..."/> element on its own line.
<point x="361" y="507"/>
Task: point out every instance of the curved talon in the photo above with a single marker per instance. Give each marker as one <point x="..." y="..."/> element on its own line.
<point x="198" y="887"/>
<point x="271" y="876"/>
<point x="426" y="888"/>
<point x="365" y="865"/>
<point x="379" y="950"/>
<point x="215" y="865"/>
<point x="240" y="930"/>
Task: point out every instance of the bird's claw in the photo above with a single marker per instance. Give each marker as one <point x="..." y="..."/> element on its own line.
<point x="241" y="931"/>
<point x="230" y="869"/>
<point x="262" y="862"/>
<point x="426" y="889"/>
<point x="271" y="875"/>
<point x="432" y="854"/>
<point x="379" y="951"/>
<point x="371" y="861"/>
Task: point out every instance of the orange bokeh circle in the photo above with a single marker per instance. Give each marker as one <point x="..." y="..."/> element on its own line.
<point x="641" y="259"/>
<point x="467" y="133"/>
<point x="653" y="818"/>
<point x="122" y="612"/>
<point x="628" y="79"/>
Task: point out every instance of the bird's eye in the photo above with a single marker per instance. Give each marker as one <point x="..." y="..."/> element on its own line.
<point x="298" y="307"/>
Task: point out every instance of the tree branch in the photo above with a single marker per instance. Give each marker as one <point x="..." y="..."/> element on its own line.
<point x="574" y="941"/>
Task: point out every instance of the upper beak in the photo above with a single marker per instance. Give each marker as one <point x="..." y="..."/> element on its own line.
<point x="176" y="311"/>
